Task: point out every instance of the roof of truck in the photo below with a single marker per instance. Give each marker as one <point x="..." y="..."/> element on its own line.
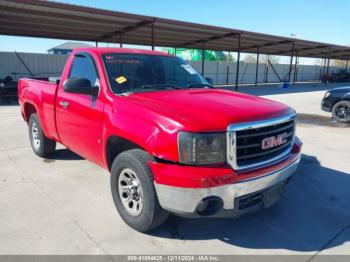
<point x="109" y="50"/>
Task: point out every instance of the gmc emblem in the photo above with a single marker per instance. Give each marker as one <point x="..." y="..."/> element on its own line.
<point x="273" y="141"/>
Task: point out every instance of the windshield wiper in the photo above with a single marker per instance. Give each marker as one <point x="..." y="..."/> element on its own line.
<point x="160" y="86"/>
<point x="198" y="86"/>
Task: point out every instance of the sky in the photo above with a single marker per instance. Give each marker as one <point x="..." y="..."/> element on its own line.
<point x="318" y="20"/>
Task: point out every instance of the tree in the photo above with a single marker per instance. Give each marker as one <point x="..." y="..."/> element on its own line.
<point x="230" y="57"/>
<point x="250" y="58"/>
<point x="273" y="59"/>
<point x="319" y="61"/>
<point x="337" y="63"/>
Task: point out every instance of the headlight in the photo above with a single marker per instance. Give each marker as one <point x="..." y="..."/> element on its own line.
<point x="327" y="94"/>
<point x="202" y="149"/>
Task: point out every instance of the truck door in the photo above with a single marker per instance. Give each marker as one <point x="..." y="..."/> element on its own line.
<point x="79" y="117"/>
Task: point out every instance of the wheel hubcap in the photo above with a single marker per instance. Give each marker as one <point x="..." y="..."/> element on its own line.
<point x="130" y="191"/>
<point x="35" y="136"/>
<point x="343" y="112"/>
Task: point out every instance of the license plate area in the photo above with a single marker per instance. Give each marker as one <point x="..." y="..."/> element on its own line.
<point x="264" y="198"/>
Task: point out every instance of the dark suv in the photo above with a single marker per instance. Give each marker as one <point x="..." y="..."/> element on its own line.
<point x="337" y="101"/>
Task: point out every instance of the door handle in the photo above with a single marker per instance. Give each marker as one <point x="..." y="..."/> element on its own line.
<point x="64" y="104"/>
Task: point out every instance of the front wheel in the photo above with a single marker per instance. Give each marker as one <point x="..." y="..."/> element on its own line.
<point x="41" y="145"/>
<point x="133" y="191"/>
<point x="341" y="111"/>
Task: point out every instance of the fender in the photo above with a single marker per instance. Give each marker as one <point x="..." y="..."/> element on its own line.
<point x="156" y="140"/>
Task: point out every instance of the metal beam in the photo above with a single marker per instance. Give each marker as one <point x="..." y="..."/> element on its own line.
<point x="324" y="66"/>
<point x="267" y="68"/>
<point x="121" y="41"/>
<point x="329" y="58"/>
<point x="266" y="45"/>
<point x="257" y="66"/>
<point x="291" y="61"/>
<point x="24" y="64"/>
<point x="346" y="65"/>
<point x="238" y="58"/>
<point x="203" y="46"/>
<point x="300" y="49"/>
<point x="295" y="75"/>
<point x="333" y="52"/>
<point x="227" y="67"/>
<point x="152" y="34"/>
<point x="126" y="29"/>
<point x="322" y="61"/>
<point x="274" y="70"/>
<point x="217" y="37"/>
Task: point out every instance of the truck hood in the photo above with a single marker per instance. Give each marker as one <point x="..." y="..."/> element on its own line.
<point x="207" y="110"/>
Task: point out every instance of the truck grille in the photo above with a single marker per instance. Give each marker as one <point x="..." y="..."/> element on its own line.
<point x="260" y="143"/>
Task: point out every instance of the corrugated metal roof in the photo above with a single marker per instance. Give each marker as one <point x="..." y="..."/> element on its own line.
<point x="65" y="21"/>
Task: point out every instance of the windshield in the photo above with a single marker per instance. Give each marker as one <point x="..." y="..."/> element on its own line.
<point x="140" y="73"/>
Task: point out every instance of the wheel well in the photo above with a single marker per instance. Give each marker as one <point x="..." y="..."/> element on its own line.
<point x="337" y="101"/>
<point x="29" y="109"/>
<point x="115" y="146"/>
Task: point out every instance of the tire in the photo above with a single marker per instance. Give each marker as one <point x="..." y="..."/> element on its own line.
<point x="341" y="111"/>
<point x="41" y="145"/>
<point x="149" y="214"/>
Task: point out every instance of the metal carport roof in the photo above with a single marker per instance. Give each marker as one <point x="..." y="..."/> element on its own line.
<point x="65" y="21"/>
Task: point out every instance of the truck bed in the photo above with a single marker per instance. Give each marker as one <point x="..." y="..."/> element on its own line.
<point x="42" y="95"/>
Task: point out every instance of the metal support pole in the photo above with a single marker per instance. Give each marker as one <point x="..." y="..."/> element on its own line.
<point x="329" y="58"/>
<point x="346" y="65"/>
<point x="275" y="71"/>
<point x="291" y="62"/>
<point x="324" y="66"/>
<point x="267" y="68"/>
<point x="120" y="41"/>
<point x="257" y="67"/>
<point x="238" y="58"/>
<point x="320" y="67"/>
<point x="152" y="40"/>
<point x="295" y="75"/>
<point x="96" y="43"/>
<point x="227" y="67"/>
<point x="175" y="49"/>
<point x="203" y="46"/>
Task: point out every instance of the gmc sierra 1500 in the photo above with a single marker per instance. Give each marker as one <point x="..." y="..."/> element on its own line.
<point x="171" y="142"/>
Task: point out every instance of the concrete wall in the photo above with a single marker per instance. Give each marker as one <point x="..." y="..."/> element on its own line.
<point x="45" y="65"/>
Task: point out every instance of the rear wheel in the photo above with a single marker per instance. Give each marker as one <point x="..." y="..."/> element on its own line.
<point x="41" y="145"/>
<point x="341" y="111"/>
<point x="133" y="191"/>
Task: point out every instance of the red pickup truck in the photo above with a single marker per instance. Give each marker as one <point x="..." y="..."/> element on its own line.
<point x="172" y="142"/>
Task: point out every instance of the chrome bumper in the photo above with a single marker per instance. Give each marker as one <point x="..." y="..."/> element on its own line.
<point x="186" y="200"/>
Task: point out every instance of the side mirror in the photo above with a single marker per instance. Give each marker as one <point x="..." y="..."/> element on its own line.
<point x="210" y="81"/>
<point x="80" y="86"/>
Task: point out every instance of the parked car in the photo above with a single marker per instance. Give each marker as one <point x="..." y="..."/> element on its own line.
<point x="172" y="143"/>
<point x="341" y="75"/>
<point x="8" y="90"/>
<point x="337" y="101"/>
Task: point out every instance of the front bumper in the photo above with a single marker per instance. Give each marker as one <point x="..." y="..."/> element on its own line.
<point x="185" y="200"/>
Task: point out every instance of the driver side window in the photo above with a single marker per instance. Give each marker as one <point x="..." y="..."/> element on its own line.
<point x="83" y="67"/>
